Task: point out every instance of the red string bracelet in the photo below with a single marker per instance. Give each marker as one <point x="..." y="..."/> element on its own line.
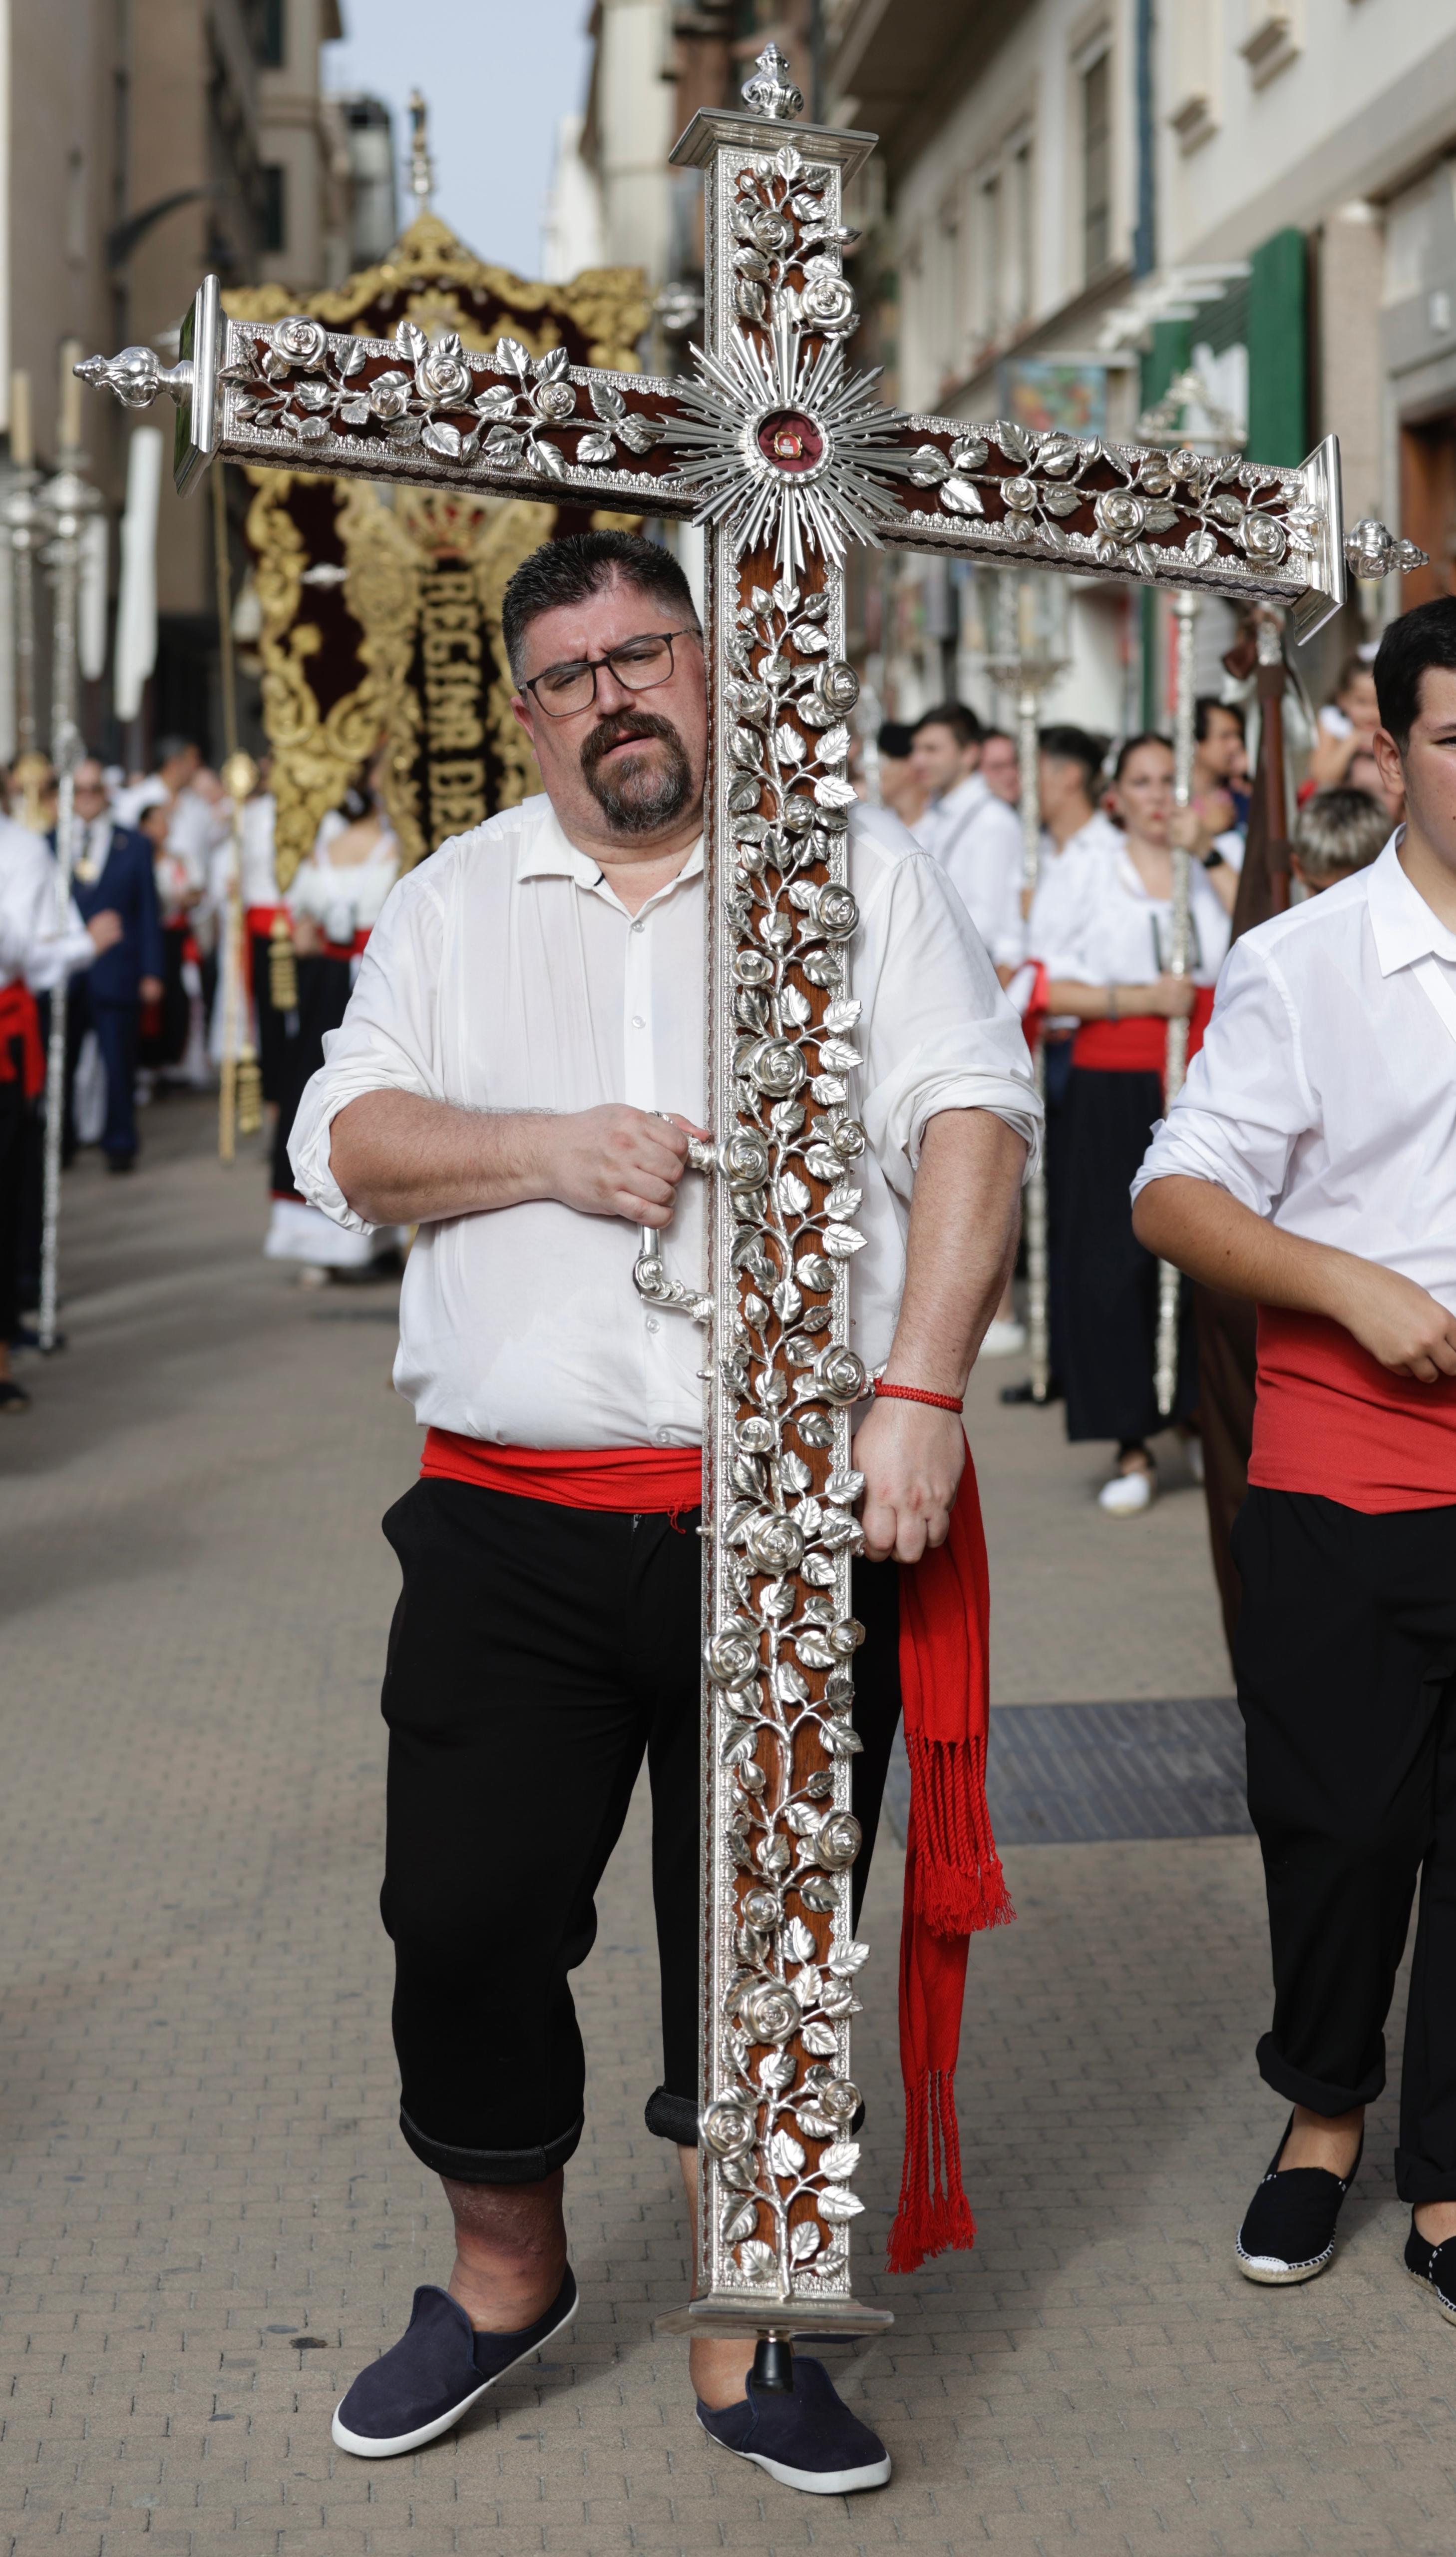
<point x="917" y="1393"/>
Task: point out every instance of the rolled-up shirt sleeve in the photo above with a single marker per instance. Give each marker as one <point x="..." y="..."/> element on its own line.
<point x="938" y="1033"/>
<point x="387" y="1042"/>
<point x="1248" y="1100"/>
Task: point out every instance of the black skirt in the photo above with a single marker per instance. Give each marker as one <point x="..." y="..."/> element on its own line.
<point x="324" y="987"/>
<point x="1106" y="1284"/>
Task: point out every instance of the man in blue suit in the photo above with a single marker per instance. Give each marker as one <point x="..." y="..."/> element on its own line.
<point x="113" y="871"/>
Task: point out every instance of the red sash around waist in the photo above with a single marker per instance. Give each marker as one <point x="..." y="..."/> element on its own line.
<point x="642" y="1480"/>
<point x="1140" y="1045"/>
<point x="19" y="1019"/>
<point x="954" y="1883"/>
<point x="1329" y="1419"/>
<point x="260" y="919"/>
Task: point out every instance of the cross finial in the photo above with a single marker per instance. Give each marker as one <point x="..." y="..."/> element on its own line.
<point x="771" y="91"/>
<point x="422" y="166"/>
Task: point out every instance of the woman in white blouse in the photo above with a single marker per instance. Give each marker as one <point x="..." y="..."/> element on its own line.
<point x="1112" y="974"/>
<point x="334" y="900"/>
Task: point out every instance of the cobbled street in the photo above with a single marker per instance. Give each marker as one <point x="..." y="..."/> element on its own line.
<point x="210" y="2218"/>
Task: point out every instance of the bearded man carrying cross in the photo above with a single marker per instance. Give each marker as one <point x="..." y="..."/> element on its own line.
<point x="520" y="1074"/>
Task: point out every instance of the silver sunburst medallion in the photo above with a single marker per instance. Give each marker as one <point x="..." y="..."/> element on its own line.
<point x="784" y="445"/>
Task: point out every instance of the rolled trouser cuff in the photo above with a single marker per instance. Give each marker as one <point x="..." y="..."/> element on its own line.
<point x="671" y="2118"/>
<point x="1418" y="2181"/>
<point x="1318" y="2093"/>
<point x="493" y="2166"/>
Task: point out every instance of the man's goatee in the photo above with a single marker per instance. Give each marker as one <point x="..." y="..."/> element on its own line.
<point x="638" y="796"/>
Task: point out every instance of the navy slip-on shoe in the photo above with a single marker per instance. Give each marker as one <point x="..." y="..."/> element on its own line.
<point x="809" y="2440"/>
<point x="435" y="2374"/>
<point x="1434" y="2267"/>
<point x="1289" y="2230"/>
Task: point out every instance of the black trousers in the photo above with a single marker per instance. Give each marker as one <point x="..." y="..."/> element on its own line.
<point x="1346" y="1659"/>
<point x="1103" y="1283"/>
<point x="166" y="1044"/>
<point x="325" y="986"/>
<point x="15" y="1109"/>
<point x="118" y="1037"/>
<point x="537" y="1655"/>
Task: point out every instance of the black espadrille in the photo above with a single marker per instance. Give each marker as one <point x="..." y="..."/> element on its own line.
<point x="1288" y="2231"/>
<point x="1434" y="2267"/>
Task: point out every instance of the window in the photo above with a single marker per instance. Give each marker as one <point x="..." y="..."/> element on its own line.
<point x="989" y="265"/>
<point x="1019" y="294"/>
<point x="1096" y="166"/>
<point x="272" y="35"/>
<point x="275" y="206"/>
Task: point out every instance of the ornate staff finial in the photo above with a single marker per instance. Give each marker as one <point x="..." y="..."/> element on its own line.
<point x="422" y="166"/>
<point x="1372" y="549"/>
<point x="771" y="91"/>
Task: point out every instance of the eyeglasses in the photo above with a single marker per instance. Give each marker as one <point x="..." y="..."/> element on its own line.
<point x="638" y="666"/>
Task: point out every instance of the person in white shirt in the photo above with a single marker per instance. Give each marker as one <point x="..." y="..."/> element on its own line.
<point x="1309" y="1164"/>
<point x="974" y="834"/>
<point x="37" y="951"/>
<point x="1074" y="831"/>
<point x="1113" y="974"/>
<point x="334" y="899"/>
<point x="1001" y="766"/>
<point x="519" y="1071"/>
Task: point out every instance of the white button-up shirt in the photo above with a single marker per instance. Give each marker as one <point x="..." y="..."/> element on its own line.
<point x="33" y="946"/>
<point x="1324" y="1095"/>
<point x="504" y="974"/>
<point x="1116" y="934"/>
<point x="977" y="838"/>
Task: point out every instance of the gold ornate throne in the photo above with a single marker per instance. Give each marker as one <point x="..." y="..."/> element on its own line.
<point x="381" y="607"/>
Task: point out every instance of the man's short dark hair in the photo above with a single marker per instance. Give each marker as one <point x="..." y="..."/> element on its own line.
<point x="1208" y="701"/>
<point x="1424" y="637"/>
<point x="963" y="723"/>
<point x="581" y="564"/>
<point x="167" y="748"/>
<point x="1068" y="744"/>
<point x="895" y="740"/>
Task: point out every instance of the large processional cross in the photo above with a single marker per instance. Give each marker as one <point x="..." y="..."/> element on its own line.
<point x="787" y="458"/>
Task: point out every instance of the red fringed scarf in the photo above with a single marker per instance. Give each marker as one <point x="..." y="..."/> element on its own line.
<point x="954" y="1883"/>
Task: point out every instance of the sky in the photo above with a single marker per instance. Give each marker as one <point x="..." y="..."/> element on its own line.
<point x="498" y="76"/>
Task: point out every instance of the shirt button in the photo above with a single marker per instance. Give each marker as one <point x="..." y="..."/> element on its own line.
<point x="653" y="1324"/>
<point x="639" y="927"/>
<point x="638" y="1022"/>
<point x="662" y="1437"/>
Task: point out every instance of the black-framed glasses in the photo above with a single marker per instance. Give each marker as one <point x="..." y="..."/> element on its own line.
<point x="638" y="666"/>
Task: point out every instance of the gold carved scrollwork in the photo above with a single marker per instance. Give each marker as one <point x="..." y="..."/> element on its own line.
<point x="433" y="278"/>
<point x="387" y="653"/>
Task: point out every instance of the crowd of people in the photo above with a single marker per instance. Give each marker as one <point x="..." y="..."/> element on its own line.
<point x="140" y="947"/>
<point x="1088" y="957"/>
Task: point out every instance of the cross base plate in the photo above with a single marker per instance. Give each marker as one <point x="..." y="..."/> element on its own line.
<point x="727" y="2313"/>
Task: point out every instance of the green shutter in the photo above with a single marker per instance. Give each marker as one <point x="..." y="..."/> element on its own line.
<point x="1277" y="420"/>
<point x="1171" y="353"/>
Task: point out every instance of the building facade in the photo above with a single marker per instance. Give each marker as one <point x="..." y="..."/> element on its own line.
<point x="1083" y="203"/>
<point x="144" y="142"/>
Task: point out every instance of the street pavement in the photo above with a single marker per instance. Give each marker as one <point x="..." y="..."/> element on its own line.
<point x="209" y="2221"/>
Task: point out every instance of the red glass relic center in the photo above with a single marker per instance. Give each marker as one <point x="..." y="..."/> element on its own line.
<point x="790" y="440"/>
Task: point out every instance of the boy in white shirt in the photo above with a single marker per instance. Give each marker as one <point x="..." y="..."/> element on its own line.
<point x="1310" y="1163"/>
